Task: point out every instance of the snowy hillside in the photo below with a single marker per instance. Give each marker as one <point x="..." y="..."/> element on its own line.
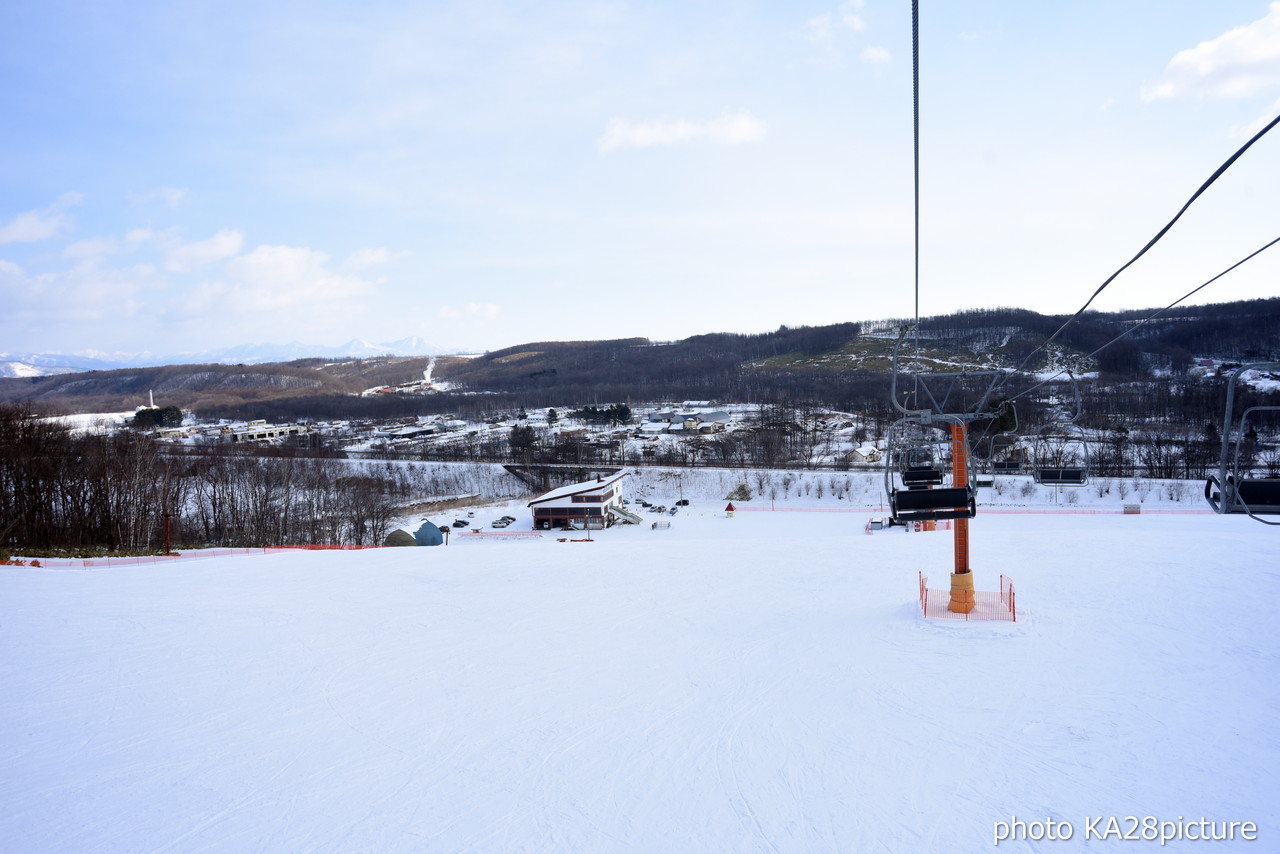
<point x="761" y="683"/>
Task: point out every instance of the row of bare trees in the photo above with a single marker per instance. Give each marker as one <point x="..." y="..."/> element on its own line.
<point x="61" y="491"/>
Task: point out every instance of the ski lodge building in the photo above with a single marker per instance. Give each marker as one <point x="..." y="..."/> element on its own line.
<point x="589" y="504"/>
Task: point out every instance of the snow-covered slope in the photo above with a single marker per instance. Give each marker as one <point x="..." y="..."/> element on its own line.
<point x="761" y="683"/>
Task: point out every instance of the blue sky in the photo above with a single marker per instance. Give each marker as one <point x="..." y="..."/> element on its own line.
<point x="180" y="176"/>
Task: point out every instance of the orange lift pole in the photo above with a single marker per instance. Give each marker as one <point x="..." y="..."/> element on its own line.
<point x="962" y="601"/>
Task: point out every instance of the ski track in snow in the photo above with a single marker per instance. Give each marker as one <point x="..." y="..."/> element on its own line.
<point x="757" y="684"/>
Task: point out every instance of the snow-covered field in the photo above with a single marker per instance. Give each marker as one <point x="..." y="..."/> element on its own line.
<point x="757" y="684"/>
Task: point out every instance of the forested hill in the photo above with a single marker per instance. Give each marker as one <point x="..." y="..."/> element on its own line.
<point x="836" y="363"/>
<point x="841" y="365"/>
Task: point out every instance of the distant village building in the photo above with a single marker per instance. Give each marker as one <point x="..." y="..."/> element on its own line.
<point x="865" y="453"/>
<point x="706" y="423"/>
<point x="258" y="431"/>
<point x="589" y="504"/>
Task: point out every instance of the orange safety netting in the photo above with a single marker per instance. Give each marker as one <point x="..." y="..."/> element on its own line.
<point x="988" y="605"/>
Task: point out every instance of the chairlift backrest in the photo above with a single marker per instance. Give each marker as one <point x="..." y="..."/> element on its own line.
<point x="1060" y="456"/>
<point x="921" y="476"/>
<point x="922" y="505"/>
<point x="1062" y="476"/>
<point x="1231" y="490"/>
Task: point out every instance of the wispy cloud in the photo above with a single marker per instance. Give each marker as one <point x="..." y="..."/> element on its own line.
<point x="41" y="224"/>
<point x="824" y="29"/>
<point x="729" y="129"/>
<point x="171" y="197"/>
<point x="362" y="259"/>
<point x="199" y="253"/>
<point x="875" y="55"/>
<point x="284" y="276"/>
<point x="93" y="247"/>
<point x="1246" y="131"/>
<point x="1240" y="63"/>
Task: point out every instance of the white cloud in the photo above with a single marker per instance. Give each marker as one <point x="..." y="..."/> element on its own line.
<point x="172" y="196"/>
<point x="1257" y="124"/>
<point x="284" y="277"/>
<point x="874" y="55"/>
<point x="824" y="28"/>
<point x="1240" y="63"/>
<point x="40" y="224"/>
<point x="10" y="272"/>
<point x="362" y="259"/>
<point x="94" y="247"/>
<point x="199" y="253"/>
<point x="87" y="291"/>
<point x="729" y="129"/>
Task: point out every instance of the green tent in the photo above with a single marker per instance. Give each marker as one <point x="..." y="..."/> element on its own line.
<point x="399" y="537"/>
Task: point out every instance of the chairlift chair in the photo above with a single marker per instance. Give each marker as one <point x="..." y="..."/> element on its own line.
<point x="914" y="480"/>
<point x="1231" y="489"/>
<point x="1005" y="450"/>
<point x="1061" y="455"/>
<point x="1060" y="450"/>
<point x="919" y="470"/>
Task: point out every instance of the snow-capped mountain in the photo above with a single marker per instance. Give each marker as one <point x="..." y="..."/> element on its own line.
<point x="49" y="364"/>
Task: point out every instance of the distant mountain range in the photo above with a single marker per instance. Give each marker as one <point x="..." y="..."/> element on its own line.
<point x="52" y="364"/>
<point x="1135" y="362"/>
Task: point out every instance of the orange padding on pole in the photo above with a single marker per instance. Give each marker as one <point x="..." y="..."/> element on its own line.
<point x="962" y="601"/>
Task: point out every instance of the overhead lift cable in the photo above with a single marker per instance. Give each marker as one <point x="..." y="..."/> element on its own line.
<point x="1152" y="242"/>
<point x="1151" y="317"/>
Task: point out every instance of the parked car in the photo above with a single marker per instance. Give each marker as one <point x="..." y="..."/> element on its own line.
<point x="460" y="523"/>
<point x="673" y="511"/>
<point x="509" y="518"/>
<point x="683" y="502"/>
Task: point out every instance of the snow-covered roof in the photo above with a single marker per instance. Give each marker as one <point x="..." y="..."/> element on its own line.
<point x="586" y="487"/>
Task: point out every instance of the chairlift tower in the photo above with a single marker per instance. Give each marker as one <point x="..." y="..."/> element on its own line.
<point x="914" y="479"/>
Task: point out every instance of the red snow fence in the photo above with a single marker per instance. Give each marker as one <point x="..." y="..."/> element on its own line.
<point x="190" y="554"/>
<point x="988" y="605"/>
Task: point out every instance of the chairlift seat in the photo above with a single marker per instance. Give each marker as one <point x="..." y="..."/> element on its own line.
<point x="922" y="505"/>
<point x="920" y="477"/>
<point x="1062" y="476"/>
<point x="1260" y="496"/>
<point x="1006" y="467"/>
